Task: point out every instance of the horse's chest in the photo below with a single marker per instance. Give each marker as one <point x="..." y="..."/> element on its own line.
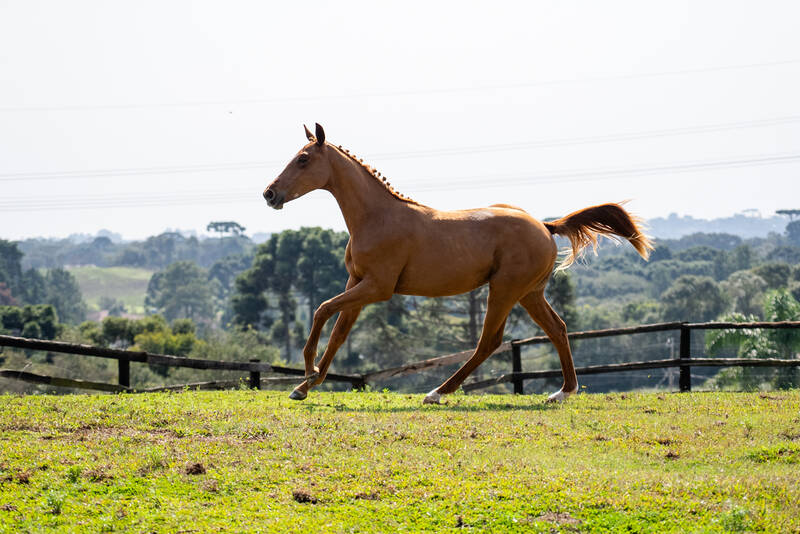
<point x="378" y="257"/>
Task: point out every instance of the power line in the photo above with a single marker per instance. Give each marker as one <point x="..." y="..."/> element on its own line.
<point x="136" y="171"/>
<point x="250" y="165"/>
<point x="401" y="93"/>
<point x="591" y="139"/>
<point x="606" y="174"/>
<point x="241" y="195"/>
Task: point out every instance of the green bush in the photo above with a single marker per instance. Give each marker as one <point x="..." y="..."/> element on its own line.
<point x="39" y="321"/>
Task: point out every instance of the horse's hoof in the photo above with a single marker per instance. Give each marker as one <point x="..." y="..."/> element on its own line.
<point x="297" y="395"/>
<point x="433" y="398"/>
<point x="561" y="395"/>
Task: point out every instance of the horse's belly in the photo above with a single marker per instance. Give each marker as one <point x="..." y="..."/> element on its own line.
<point x="448" y="276"/>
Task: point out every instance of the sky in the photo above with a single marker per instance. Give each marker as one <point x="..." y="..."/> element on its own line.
<point x="143" y="116"/>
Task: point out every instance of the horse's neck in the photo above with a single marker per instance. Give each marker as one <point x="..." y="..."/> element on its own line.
<point x="362" y="198"/>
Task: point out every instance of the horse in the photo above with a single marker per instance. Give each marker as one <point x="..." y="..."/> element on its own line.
<point x="400" y="246"/>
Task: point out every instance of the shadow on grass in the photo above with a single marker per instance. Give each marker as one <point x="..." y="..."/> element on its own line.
<point x="452" y="406"/>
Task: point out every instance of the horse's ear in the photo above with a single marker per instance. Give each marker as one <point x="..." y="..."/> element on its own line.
<point x="309" y="135"/>
<point x="320" y="135"/>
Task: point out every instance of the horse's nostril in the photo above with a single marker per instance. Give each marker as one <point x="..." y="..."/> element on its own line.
<point x="269" y="194"/>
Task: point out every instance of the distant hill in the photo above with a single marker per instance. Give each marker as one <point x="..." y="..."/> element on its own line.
<point x="745" y="226"/>
<point x="125" y="284"/>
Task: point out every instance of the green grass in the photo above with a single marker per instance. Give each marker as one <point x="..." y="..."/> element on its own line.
<point x="127" y="284"/>
<point x="242" y="461"/>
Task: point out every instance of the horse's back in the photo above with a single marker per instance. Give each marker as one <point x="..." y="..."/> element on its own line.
<point x="452" y="252"/>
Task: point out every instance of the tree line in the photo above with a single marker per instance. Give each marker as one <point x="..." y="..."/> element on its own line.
<point x="267" y="294"/>
<point x="155" y="252"/>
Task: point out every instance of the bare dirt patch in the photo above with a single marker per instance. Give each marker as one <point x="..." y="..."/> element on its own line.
<point x="98" y="474"/>
<point x="211" y="485"/>
<point x="20" y="477"/>
<point x="559" y="518"/>
<point x="195" y="468"/>
<point x="303" y="496"/>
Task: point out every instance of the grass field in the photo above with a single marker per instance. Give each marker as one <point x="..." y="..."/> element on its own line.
<point x="127" y="284"/>
<point x="245" y="461"/>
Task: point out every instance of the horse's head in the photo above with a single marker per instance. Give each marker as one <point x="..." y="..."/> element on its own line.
<point x="308" y="170"/>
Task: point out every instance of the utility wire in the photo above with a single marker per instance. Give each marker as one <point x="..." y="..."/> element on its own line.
<point x="632" y="136"/>
<point x="489" y="181"/>
<point x="401" y="93"/>
<point x="250" y="165"/>
<point x="242" y="195"/>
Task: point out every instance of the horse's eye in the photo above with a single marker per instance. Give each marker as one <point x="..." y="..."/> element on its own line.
<point x="303" y="159"/>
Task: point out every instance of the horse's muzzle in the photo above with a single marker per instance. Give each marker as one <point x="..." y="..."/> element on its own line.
<point x="274" y="200"/>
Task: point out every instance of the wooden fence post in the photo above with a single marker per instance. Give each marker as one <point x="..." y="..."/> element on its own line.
<point x="255" y="377"/>
<point x="124" y="374"/>
<point x="685" y="354"/>
<point x="516" y="367"/>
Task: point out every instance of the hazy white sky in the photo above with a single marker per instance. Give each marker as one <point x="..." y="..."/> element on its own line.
<point x="141" y="116"/>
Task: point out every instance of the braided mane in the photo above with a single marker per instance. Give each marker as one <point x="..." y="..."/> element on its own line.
<point x="377" y="175"/>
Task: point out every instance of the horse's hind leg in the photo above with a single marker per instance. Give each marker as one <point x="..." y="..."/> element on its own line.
<point x="497" y="309"/>
<point x="541" y="312"/>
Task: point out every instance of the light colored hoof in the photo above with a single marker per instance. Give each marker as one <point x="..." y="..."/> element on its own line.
<point x="433" y="398"/>
<point x="297" y="395"/>
<point x="561" y="396"/>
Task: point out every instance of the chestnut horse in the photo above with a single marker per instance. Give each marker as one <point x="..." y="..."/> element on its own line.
<point x="400" y="246"/>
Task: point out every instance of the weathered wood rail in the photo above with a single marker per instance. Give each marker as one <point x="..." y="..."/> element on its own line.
<point x="684" y="362"/>
<point x="125" y="357"/>
<point x="516" y="376"/>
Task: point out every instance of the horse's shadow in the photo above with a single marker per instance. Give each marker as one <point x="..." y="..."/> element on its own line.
<point x="452" y="406"/>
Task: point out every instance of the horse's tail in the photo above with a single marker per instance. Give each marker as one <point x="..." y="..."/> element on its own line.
<point x="584" y="226"/>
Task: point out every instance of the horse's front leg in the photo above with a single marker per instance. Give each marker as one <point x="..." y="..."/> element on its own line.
<point x="310" y="348"/>
<point x="358" y="294"/>
<point x="316" y="374"/>
<point x="341" y="329"/>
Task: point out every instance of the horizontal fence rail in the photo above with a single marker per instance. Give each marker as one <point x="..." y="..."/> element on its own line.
<point x="431" y="363"/>
<point x="131" y="355"/>
<point x="516" y="376"/>
<point x="124" y="357"/>
<point x="634" y="366"/>
<point x="684" y="363"/>
<point x="61" y="382"/>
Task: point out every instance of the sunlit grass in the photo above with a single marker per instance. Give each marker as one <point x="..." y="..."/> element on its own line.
<point x="255" y="461"/>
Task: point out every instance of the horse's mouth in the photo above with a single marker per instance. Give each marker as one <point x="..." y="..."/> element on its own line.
<point x="274" y="200"/>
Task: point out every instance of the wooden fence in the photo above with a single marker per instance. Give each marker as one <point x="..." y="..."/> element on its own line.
<point x="685" y="361"/>
<point x="125" y="357"/>
<point x="517" y="376"/>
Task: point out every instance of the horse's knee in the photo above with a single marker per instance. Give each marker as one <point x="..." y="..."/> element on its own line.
<point x="323" y="313"/>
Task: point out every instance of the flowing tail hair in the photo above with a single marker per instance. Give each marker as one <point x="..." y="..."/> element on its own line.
<point x="584" y="226"/>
